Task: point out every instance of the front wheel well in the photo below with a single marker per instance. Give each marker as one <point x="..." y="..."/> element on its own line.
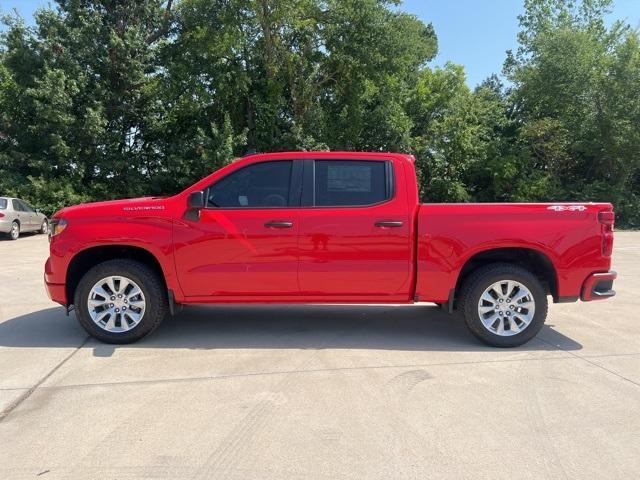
<point x="87" y="259"/>
<point x="534" y="261"/>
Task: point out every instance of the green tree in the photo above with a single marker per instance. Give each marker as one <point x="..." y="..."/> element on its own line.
<point x="300" y="74"/>
<point x="576" y="85"/>
<point x="81" y="97"/>
<point x="104" y="98"/>
<point x="457" y="136"/>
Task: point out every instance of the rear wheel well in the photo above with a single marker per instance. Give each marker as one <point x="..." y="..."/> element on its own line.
<point x="89" y="258"/>
<point x="532" y="260"/>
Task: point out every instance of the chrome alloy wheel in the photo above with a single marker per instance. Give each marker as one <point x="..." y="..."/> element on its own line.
<point x="116" y="304"/>
<point x="15" y="231"/>
<point x="506" y="308"/>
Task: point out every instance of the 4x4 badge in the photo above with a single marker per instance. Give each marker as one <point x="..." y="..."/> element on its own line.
<point x="567" y="208"/>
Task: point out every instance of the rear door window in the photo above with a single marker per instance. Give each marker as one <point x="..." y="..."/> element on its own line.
<point x="345" y="183"/>
<point x="27" y="207"/>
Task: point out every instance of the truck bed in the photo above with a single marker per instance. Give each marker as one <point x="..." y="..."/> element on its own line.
<point x="564" y="236"/>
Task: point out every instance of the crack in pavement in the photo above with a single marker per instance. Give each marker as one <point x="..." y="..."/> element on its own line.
<point x="586" y="359"/>
<point x="16" y="403"/>
<point x="30" y="390"/>
<point x="327" y="370"/>
<point x="289" y="372"/>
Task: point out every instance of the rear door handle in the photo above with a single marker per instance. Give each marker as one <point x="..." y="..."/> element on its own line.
<point x="389" y="223"/>
<point x="278" y="224"/>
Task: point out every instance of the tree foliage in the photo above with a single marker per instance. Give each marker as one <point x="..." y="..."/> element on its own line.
<point x="576" y="85"/>
<point x="104" y="98"/>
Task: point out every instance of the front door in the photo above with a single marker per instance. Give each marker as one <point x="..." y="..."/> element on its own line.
<point x="355" y="232"/>
<point x="245" y="242"/>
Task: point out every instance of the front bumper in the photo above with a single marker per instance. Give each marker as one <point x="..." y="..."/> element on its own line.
<point x="598" y="286"/>
<point x="56" y="292"/>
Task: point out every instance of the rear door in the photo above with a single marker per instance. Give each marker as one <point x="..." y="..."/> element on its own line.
<point x="31" y="215"/>
<point x="21" y="214"/>
<point x="355" y="231"/>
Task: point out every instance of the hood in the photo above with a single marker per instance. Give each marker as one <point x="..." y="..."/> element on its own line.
<point x="113" y="207"/>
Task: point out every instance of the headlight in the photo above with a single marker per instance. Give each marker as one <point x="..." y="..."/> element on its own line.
<point x="57" y="226"/>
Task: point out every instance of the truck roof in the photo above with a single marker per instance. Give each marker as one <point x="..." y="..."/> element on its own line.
<point x="334" y="154"/>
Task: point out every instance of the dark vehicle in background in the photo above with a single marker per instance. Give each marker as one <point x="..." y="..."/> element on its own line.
<point x="17" y="216"/>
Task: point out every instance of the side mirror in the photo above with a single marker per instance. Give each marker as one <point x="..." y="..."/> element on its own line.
<point x="195" y="201"/>
<point x="38" y="210"/>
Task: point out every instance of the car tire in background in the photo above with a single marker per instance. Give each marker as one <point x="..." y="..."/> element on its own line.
<point x="44" y="228"/>
<point x="14" y="233"/>
<point x="120" y="301"/>
<point x="503" y="305"/>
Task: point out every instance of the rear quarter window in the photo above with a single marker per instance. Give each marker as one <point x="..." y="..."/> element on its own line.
<point x="3" y="203"/>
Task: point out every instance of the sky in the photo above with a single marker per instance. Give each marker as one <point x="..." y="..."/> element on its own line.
<point x="474" y="33"/>
<point x="477" y="33"/>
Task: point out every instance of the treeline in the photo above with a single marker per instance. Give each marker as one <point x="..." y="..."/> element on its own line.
<point x="110" y="98"/>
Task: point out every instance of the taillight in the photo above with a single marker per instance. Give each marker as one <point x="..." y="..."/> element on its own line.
<point x="606" y="219"/>
<point x="1" y="214"/>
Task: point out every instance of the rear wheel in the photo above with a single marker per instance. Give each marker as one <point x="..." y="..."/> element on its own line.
<point x="120" y="301"/>
<point x="14" y="233"/>
<point x="503" y="305"/>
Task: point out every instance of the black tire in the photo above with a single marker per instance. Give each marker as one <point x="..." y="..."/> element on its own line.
<point x="483" y="278"/>
<point x="155" y="294"/>
<point x="44" y="228"/>
<point x="14" y="234"/>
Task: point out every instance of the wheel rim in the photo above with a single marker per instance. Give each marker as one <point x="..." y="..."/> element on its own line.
<point x="506" y="308"/>
<point x="45" y="227"/>
<point x="116" y="304"/>
<point x="15" y="230"/>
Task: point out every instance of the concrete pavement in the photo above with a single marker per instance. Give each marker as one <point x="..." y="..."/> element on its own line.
<point x="300" y="392"/>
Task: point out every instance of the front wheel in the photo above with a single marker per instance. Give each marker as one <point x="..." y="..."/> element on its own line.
<point x="44" y="228"/>
<point x="504" y="305"/>
<point x="120" y="301"/>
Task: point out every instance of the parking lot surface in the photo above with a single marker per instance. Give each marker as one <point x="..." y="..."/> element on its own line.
<point x="317" y="392"/>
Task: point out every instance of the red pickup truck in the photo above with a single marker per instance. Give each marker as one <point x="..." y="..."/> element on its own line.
<point x="325" y="227"/>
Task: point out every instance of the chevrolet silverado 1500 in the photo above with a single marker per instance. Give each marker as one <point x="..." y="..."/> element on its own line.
<point x="325" y="227"/>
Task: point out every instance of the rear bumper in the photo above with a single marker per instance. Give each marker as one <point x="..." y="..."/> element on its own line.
<point x="598" y="286"/>
<point x="5" y="225"/>
<point x="57" y="292"/>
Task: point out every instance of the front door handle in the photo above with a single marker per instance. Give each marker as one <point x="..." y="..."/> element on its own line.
<point x="389" y="223"/>
<point x="278" y="224"/>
